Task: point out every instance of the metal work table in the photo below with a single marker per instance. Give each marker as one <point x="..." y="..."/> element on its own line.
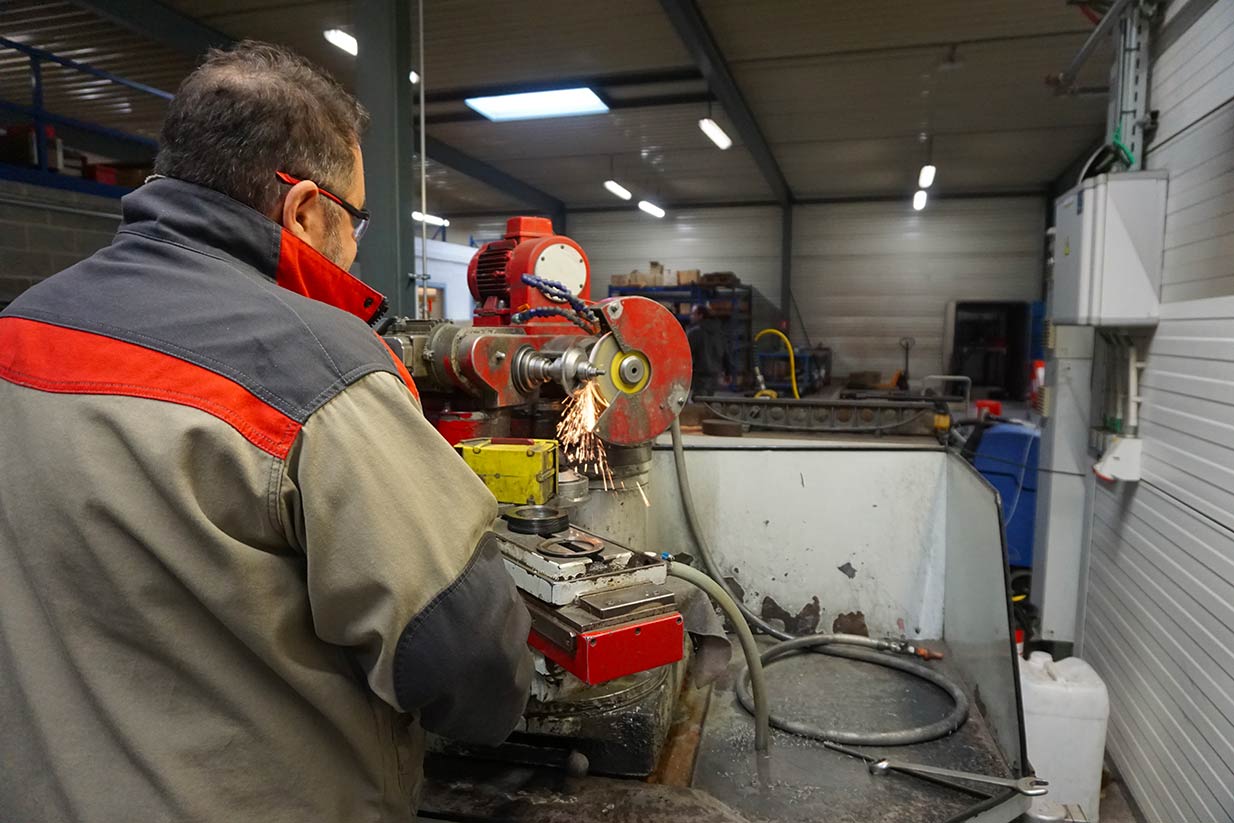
<point x="798" y="780"/>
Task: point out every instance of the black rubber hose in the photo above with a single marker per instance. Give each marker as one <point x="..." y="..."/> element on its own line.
<point x="848" y="646"/>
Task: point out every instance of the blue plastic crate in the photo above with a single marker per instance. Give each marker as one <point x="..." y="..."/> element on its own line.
<point x="1007" y="456"/>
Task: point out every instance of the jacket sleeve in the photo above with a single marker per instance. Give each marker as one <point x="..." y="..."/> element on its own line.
<point x="402" y="570"/>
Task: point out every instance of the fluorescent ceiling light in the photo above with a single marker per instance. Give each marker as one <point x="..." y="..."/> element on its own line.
<point x="919" y="200"/>
<point x="712" y="129"/>
<point x="618" y="189"/>
<point x="343" y="40"/>
<point x="926" y="178"/>
<point x="431" y="219"/>
<point x="651" y="208"/>
<point x="536" y="104"/>
<point x="413" y="77"/>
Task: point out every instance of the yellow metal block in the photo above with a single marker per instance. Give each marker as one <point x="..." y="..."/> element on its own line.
<point x="516" y="470"/>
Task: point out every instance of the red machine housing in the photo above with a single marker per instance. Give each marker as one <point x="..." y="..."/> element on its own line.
<point x="606" y="654"/>
<point x="475" y="365"/>
<point x="529" y="247"/>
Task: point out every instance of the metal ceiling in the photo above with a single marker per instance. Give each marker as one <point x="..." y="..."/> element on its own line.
<point x="67" y="30"/>
<point x="840" y="90"/>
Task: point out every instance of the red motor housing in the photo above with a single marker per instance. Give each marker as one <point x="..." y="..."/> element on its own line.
<point x="495" y="275"/>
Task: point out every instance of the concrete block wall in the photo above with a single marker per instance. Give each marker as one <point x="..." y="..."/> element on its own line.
<point x="45" y="230"/>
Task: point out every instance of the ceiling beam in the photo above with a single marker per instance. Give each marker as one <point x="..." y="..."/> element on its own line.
<point x="185" y="34"/>
<point x="695" y="34"/>
<point x="160" y="23"/>
<point x="494" y="177"/>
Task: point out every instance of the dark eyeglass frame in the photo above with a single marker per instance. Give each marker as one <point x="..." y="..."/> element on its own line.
<point x="360" y="217"/>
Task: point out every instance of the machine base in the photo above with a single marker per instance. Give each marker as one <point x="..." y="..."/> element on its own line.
<point x="619" y="727"/>
<point x="797" y="781"/>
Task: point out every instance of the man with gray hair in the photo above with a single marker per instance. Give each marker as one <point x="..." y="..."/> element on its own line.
<point x="240" y="573"/>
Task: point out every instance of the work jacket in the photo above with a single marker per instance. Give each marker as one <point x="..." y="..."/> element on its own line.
<point x="239" y="571"/>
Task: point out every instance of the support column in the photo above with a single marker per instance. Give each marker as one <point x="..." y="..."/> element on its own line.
<point x="786" y="266"/>
<point x="387" y="253"/>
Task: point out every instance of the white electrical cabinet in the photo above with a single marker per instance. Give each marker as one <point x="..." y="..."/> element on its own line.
<point x="1109" y="233"/>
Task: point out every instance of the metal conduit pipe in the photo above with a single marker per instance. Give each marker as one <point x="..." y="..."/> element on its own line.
<point x="852" y="647"/>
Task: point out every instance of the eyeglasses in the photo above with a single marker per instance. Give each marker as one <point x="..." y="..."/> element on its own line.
<point x="359" y="217"/>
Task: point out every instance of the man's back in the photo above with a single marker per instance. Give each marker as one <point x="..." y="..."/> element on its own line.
<point x="211" y="604"/>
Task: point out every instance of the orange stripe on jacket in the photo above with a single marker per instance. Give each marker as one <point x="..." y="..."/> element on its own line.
<point x="66" y="361"/>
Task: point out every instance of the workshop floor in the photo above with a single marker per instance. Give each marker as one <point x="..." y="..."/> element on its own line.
<point x="802" y="781"/>
<point x="1117" y="805"/>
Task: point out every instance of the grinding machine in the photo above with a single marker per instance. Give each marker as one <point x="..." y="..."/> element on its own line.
<point x="607" y="628"/>
<point x="611" y="617"/>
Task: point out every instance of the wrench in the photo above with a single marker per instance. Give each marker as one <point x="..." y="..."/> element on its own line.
<point x="1028" y="786"/>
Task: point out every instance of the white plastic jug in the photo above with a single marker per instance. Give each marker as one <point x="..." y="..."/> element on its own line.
<point x="1065" y="712"/>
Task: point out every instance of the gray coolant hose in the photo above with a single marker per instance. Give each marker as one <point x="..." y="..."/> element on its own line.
<point x="852" y="647"/>
<point x="755" y="694"/>
<point x="855" y="647"/>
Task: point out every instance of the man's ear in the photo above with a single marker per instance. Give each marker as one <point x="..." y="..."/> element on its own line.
<point x="301" y="214"/>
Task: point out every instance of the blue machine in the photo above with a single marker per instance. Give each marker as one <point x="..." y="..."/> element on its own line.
<point x="1006" y="455"/>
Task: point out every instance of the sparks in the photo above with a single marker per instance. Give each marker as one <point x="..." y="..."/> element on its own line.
<point x="577" y="433"/>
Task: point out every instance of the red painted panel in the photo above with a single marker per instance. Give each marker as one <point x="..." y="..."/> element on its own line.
<point x="607" y="654"/>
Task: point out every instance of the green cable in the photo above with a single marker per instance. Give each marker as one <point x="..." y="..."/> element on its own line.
<point x="1118" y="144"/>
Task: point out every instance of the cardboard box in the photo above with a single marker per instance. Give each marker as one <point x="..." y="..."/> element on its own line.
<point x="640" y="278"/>
<point x="100" y="173"/>
<point x="685" y="277"/>
<point x="619" y="280"/>
<point x="720" y="278"/>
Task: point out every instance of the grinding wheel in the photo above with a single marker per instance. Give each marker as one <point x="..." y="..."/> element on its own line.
<point x="647" y="370"/>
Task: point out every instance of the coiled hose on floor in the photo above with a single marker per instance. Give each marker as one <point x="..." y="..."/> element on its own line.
<point x="852" y="647"/>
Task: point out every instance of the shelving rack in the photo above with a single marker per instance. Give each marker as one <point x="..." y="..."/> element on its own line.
<point x="732" y="305"/>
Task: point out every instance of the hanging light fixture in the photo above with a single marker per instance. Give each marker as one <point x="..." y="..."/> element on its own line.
<point x="925" y="177"/>
<point x="615" y="188"/>
<point x="651" y="208"/>
<point x="342" y="40"/>
<point x="713" y="131"/>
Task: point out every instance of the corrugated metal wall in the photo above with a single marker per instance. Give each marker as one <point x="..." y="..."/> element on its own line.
<point x="1192" y="85"/>
<point x="1159" y="618"/>
<point x="864" y="274"/>
<point x="867" y="274"/>
<point x="1159" y="622"/>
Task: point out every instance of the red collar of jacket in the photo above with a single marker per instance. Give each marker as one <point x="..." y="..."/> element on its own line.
<point x="210" y="221"/>
<point x="306" y="271"/>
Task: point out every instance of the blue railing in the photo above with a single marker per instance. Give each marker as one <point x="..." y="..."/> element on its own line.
<point x="40" y="117"/>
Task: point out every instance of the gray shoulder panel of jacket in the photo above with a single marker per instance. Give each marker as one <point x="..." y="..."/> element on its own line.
<point x="463" y="661"/>
<point x="292" y="352"/>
